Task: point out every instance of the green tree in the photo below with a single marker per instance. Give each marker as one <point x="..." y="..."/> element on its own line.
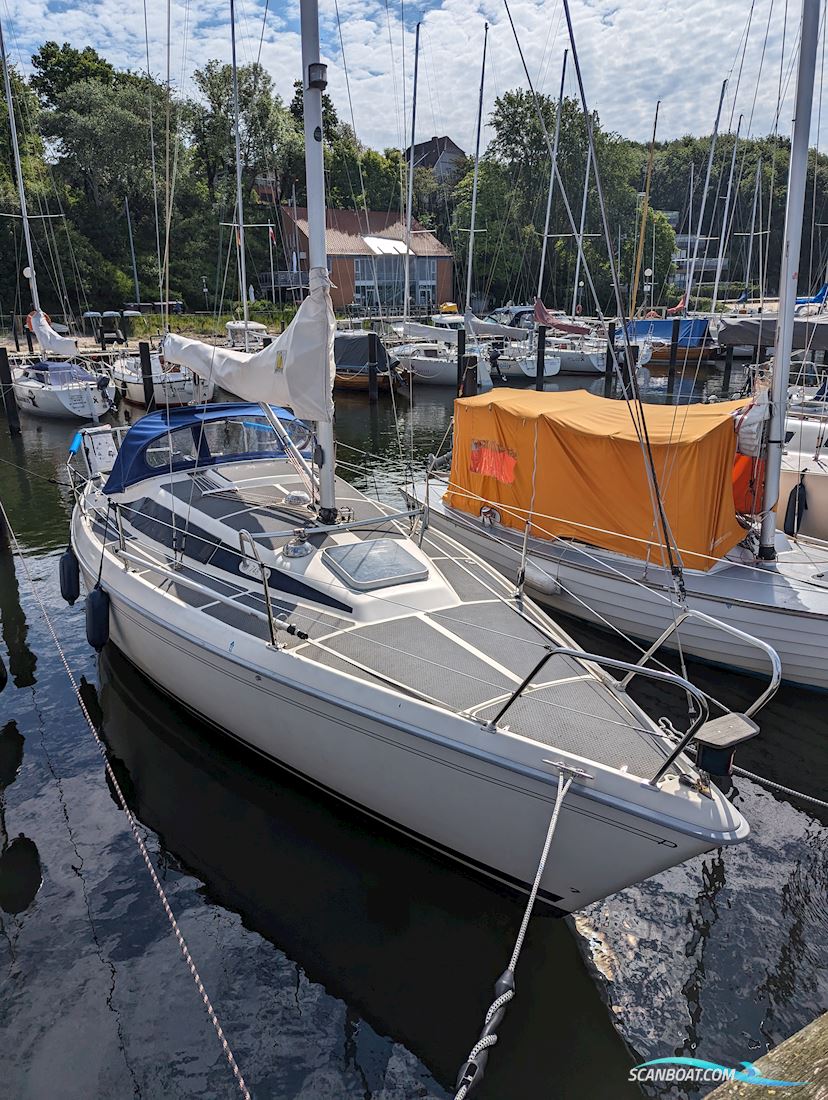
<point x="266" y="127"/>
<point x="57" y="68"/>
<point x="330" y="119"/>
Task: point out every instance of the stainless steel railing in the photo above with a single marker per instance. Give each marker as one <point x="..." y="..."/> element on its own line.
<point x="631" y="669"/>
<point x="726" y="628"/>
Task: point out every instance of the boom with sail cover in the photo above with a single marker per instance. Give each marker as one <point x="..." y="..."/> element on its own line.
<point x="492" y="328"/>
<point x="297" y="369"/>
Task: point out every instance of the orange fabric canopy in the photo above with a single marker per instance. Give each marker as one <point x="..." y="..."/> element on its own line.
<point x="576" y="462"/>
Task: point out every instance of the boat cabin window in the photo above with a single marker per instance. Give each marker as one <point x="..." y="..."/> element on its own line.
<point x="222" y="441"/>
<point x="175" y="448"/>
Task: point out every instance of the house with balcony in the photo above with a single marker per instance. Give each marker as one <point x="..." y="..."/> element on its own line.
<point x="366" y="259"/>
<point x="706" y="258"/>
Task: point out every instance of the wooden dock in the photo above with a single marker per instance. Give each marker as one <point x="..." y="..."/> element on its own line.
<point x="803" y="1057"/>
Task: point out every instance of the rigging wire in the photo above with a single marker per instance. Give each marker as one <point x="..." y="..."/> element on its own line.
<point x="635" y="407"/>
<point x="130" y="817"/>
<point x="150" y="89"/>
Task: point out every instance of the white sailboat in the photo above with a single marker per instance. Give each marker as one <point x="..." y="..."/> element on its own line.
<point x="171" y="385"/>
<point x="50" y="388"/>
<point x="231" y="565"/>
<point x="574" y="553"/>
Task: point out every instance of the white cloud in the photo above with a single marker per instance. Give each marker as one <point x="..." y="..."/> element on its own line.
<point x="631" y="55"/>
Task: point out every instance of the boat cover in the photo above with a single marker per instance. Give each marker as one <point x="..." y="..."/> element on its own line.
<point x="60" y="372"/>
<point x="575" y="460"/>
<point x="491" y="328"/>
<point x="759" y="330"/>
<point x="297" y="369"/>
<point x="352" y="351"/>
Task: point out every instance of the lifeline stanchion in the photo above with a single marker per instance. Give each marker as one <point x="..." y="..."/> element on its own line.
<point x="472" y="1070"/>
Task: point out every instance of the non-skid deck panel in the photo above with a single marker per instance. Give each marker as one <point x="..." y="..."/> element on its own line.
<point x="503" y="634"/>
<point x="256" y="516"/>
<point x="583" y="718"/>
<point x="458" y="575"/>
<point x="412" y="652"/>
<point x="239" y="619"/>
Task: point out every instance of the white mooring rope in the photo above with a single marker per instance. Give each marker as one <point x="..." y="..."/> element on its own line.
<point x="185" y="951"/>
<point x="472" y="1070"/>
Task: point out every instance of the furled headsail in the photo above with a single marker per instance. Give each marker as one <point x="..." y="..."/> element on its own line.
<point x="50" y="340"/>
<point x="297" y="369"/>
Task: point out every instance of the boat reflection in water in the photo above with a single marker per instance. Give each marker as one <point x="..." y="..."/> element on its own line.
<point x="409" y="941"/>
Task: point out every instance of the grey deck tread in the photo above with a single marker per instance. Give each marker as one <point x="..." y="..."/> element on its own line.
<point x="468" y="657"/>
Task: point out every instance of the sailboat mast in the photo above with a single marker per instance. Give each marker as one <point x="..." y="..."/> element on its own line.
<point x="270" y="253"/>
<point x="132" y="251"/>
<point x="19" y="170"/>
<point x="409" y="201"/>
<point x="753" y="223"/>
<point x="691" y="270"/>
<point x="555" y="141"/>
<point x="476" y="171"/>
<point x="645" y="206"/>
<point x="314" y="82"/>
<point x="580" y="242"/>
<point x="239" y="202"/>
<point x="794" y="214"/>
<point x="725" y="219"/>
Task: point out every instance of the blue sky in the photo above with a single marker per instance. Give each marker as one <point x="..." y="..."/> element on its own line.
<point x="633" y="52"/>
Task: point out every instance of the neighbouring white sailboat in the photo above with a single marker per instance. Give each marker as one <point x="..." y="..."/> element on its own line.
<point x="50" y="388"/>
<point x="543" y="509"/>
<point x="171" y="384"/>
<point x="226" y="559"/>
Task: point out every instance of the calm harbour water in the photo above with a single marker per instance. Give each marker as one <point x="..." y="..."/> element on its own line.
<point x="341" y="961"/>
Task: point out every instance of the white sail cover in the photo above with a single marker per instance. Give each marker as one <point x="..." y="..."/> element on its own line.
<point x="50" y="340"/>
<point x="297" y="369"/>
<point x="490" y="328"/>
<point x="430" y="332"/>
<point x="750" y="424"/>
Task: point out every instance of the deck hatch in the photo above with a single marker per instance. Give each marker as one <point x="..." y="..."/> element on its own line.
<point x="374" y="563"/>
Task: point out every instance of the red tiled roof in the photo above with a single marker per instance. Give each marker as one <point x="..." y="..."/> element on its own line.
<point x="346" y="229"/>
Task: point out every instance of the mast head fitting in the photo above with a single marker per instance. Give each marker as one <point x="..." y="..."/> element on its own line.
<point x="318" y="75"/>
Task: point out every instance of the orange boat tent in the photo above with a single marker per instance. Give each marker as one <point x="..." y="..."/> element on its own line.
<point x="575" y="462"/>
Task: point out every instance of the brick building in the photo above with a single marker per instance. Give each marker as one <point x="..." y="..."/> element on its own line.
<point x="366" y="255"/>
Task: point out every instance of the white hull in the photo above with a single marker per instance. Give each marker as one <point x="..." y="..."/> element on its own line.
<point x="581" y="361"/>
<point x="775" y="604"/>
<point x="174" y="387"/>
<point x="526" y="367"/>
<point x="439" y="778"/>
<point x="807" y="434"/>
<point x="72" y="401"/>
<point x="442" y="371"/>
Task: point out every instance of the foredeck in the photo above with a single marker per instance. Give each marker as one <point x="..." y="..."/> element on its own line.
<point x="468" y="656"/>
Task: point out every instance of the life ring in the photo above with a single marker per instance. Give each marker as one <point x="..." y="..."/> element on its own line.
<point x="34" y="314"/>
